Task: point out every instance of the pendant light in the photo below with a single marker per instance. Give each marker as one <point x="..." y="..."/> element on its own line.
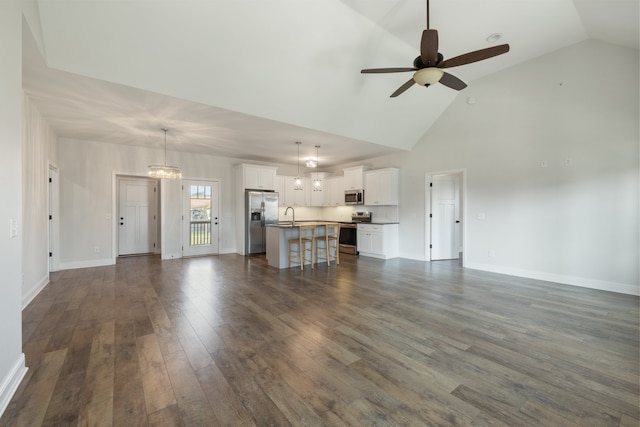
<point x="164" y="171"/>
<point x="317" y="182"/>
<point x="297" y="181"/>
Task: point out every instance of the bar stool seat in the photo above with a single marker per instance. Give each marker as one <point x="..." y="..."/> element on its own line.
<point x="301" y="247"/>
<point x="327" y="246"/>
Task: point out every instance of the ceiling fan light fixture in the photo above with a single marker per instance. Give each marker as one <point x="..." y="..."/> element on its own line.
<point x="494" y="37"/>
<point x="428" y="76"/>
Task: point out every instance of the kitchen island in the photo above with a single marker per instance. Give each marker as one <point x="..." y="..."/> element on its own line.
<point x="278" y="240"/>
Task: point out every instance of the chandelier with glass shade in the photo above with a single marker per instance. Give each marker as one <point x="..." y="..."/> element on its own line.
<point x="297" y="181"/>
<point x="164" y="171"/>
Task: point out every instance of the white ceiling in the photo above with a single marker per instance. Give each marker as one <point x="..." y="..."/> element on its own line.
<point x="248" y="78"/>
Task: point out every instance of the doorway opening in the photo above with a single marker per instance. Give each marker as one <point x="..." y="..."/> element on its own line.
<point x="444" y="215"/>
<point x="136" y="215"/>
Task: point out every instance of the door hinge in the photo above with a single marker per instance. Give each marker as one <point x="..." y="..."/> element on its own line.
<point x="154" y="245"/>
<point x="50" y="217"/>
<point x="430" y="246"/>
<point x="430" y="215"/>
<point x="50" y="254"/>
<point x="154" y="189"/>
<point x="50" y="180"/>
<point x="431" y="184"/>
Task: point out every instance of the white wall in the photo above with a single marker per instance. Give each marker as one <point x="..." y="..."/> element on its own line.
<point x="12" y="364"/>
<point x="573" y="224"/>
<point x="87" y="171"/>
<point x="38" y="151"/>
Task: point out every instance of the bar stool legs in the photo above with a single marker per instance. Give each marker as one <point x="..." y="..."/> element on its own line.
<point x="301" y="248"/>
<point x="329" y="249"/>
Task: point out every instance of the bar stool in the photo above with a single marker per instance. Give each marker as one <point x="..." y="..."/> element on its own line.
<point x="302" y="245"/>
<point x="330" y="239"/>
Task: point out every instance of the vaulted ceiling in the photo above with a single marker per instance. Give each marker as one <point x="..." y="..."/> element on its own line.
<point x="248" y="78"/>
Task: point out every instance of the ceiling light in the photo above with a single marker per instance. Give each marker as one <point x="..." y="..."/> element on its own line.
<point x="297" y="181"/>
<point x="317" y="182"/>
<point x="164" y="171"/>
<point x="311" y="163"/>
<point x="494" y="37"/>
<point x="428" y="76"/>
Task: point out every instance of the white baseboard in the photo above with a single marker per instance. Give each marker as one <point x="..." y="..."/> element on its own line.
<point x="11" y="382"/>
<point x="86" y="264"/>
<point x="227" y="251"/>
<point x="174" y="255"/>
<point x="622" y="288"/>
<point x="414" y="256"/>
<point x="34" y="291"/>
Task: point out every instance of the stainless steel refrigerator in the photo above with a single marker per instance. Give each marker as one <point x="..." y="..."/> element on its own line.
<point x="261" y="209"/>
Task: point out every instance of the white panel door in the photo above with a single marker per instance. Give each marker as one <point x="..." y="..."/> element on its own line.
<point x="200" y="218"/>
<point x="136" y="216"/>
<point x="445" y="214"/>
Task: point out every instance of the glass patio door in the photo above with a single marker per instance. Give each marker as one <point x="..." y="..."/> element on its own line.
<point x="200" y="218"/>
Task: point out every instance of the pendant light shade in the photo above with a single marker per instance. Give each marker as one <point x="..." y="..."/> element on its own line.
<point x="297" y="181"/>
<point x="164" y="171"/>
<point x="317" y="182"/>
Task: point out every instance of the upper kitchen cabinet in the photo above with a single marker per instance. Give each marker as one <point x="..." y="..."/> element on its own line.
<point x="281" y="187"/>
<point x="354" y="178"/>
<point x="319" y="193"/>
<point x="381" y="187"/>
<point x="293" y="197"/>
<point x="256" y="177"/>
<point x="335" y="191"/>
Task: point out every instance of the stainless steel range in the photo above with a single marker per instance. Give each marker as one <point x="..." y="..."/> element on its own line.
<point x="348" y="232"/>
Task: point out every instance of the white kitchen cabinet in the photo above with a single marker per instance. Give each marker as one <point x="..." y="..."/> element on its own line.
<point x="280" y="189"/>
<point x="256" y="177"/>
<point x="335" y="191"/>
<point x="319" y="195"/>
<point x="293" y="197"/>
<point x="381" y="187"/>
<point x="378" y="240"/>
<point x="354" y="178"/>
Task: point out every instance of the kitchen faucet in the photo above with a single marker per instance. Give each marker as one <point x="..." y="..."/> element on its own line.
<point x="293" y="220"/>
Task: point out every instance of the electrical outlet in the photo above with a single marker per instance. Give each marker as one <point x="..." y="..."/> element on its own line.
<point x="544" y="163"/>
<point x="96" y="249"/>
<point x="492" y="253"/>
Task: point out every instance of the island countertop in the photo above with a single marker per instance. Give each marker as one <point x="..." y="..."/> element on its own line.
<point x="289" y="224"/>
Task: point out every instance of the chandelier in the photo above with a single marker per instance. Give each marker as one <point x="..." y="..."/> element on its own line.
<point x="317" y="182"/>
<point x="164" y="171"/>
<point x="297" y="181"/>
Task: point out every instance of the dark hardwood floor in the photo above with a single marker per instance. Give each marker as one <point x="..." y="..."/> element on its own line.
<point x="229" y="341"/>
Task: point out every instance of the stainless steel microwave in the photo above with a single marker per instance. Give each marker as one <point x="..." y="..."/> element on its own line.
<point x="354" y="197"/>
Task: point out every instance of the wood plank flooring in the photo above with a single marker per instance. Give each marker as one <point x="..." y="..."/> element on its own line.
<point x="229" y="341"/>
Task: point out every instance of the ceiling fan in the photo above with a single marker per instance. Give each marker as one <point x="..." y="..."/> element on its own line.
<point x="428" y="66"/>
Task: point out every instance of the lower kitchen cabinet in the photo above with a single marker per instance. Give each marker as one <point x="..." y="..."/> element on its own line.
<point x="378" y="240"/>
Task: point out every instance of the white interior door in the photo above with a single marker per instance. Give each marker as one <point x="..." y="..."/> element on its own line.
<point x="136" y="216"/>
<point x="445" y="217"/>
<point x="200" y="218"/>
<point x="54" y="222"/>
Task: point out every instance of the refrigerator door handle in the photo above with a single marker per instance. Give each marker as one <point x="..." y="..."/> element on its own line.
<point x="262" y="212"/>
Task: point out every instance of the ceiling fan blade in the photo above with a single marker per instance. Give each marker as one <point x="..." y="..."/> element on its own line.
<point x="402" y="88"/>
<point x="429" y="47"/>
<point x="452" y="81"/>
<point x="386" y="70"/>
<point x="475" y="56"/>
